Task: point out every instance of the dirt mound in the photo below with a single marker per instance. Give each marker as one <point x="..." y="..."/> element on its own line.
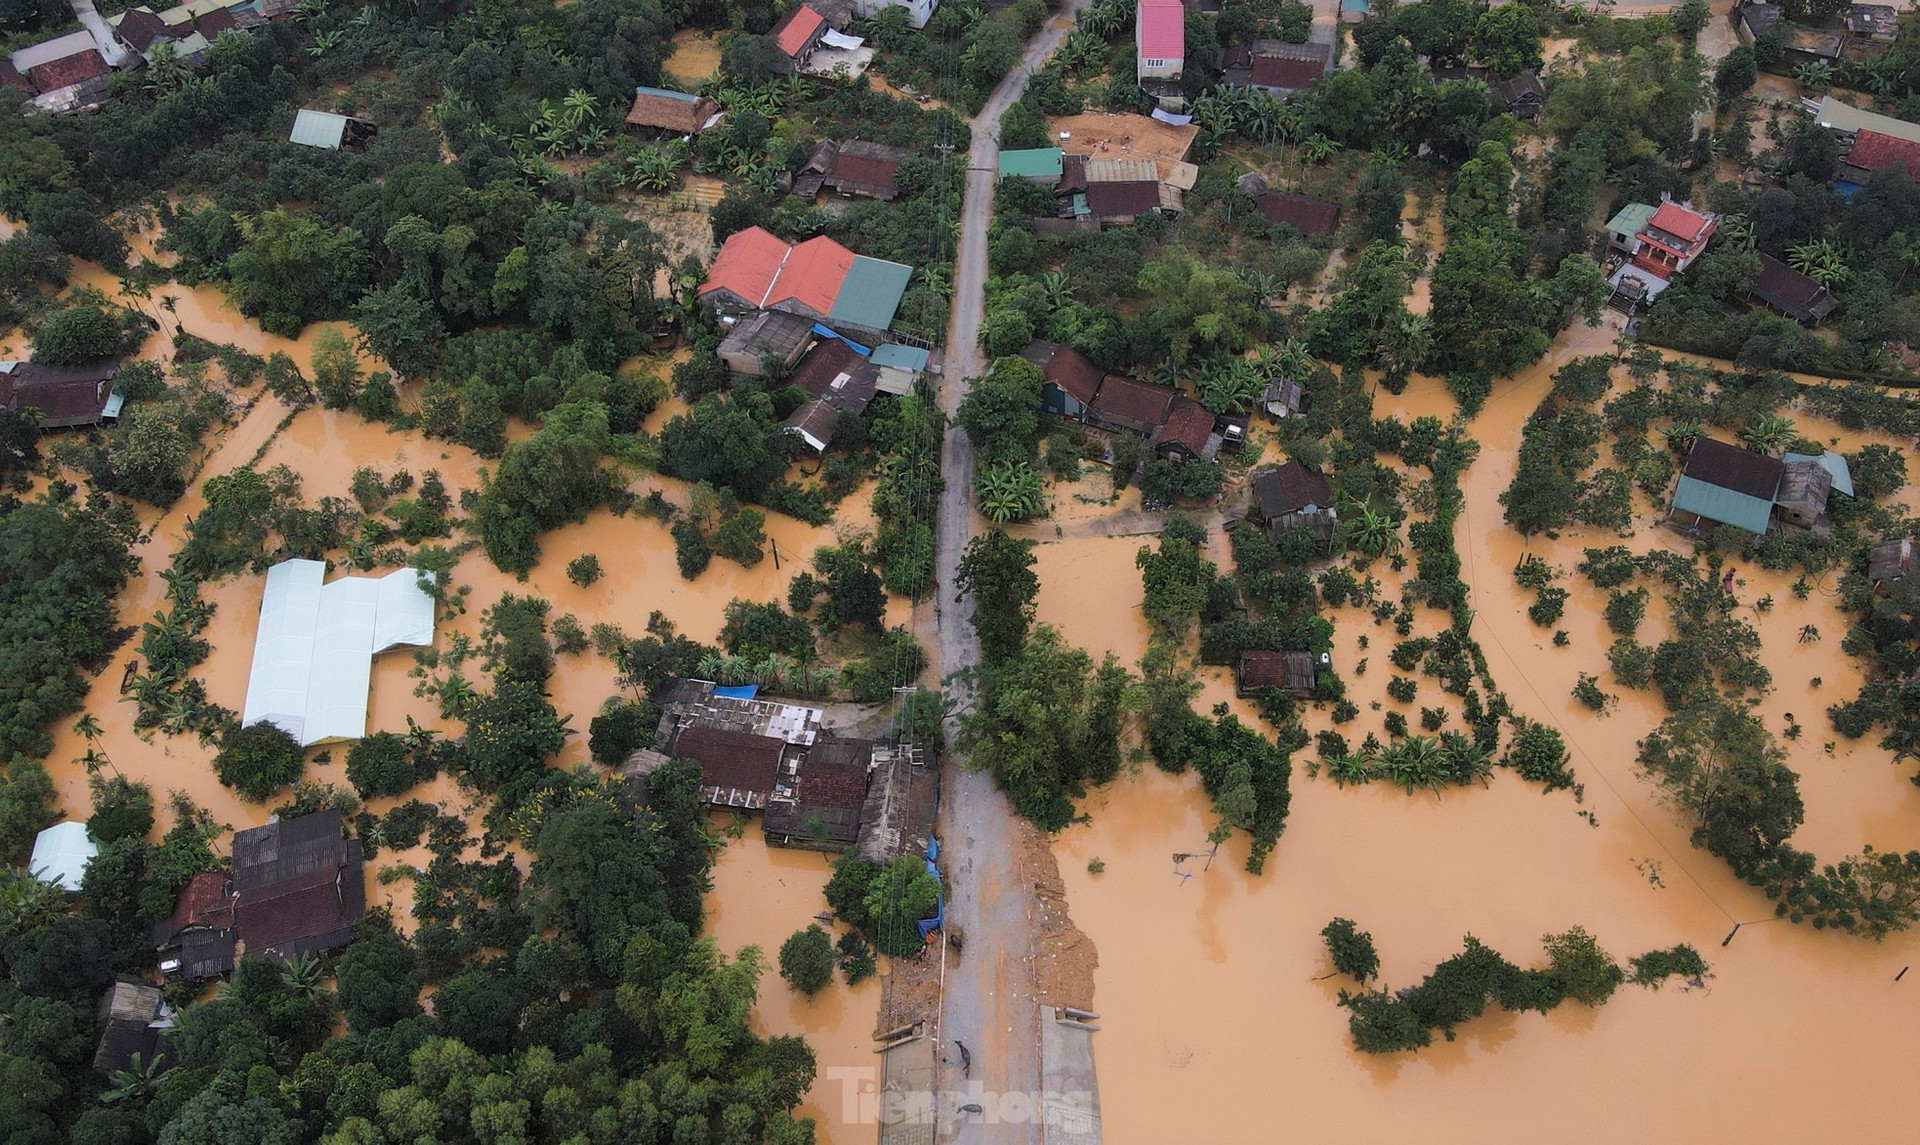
<point x="1063" y="958"/>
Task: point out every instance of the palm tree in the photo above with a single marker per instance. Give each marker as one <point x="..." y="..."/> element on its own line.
<point x="1770" y="434"/>
<point x="580" y="106"/>
<point x="1009" y="491"/>
<point x="324" y="42"/>
<point x="1229" y="386"/>
<point x="1058" y="289"/>
<point x="88" y="727"/>
<point x="302" y="976"/>
<point x="1405" y="342"/>
<point x="1371" y="530"/>
<point x="1814" y="74"/>
<point x="1356" y="769"/>
<point x="136" y="1083"/>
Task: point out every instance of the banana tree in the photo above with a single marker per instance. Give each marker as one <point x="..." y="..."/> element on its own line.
<point x="1769" y="434"/>
<point x="1416" y="762"/>
<point x="1317" y="148"/>
<point x="1008" y="491"/>
<point x="1821" y="260"/>
<point x="1814" y="74"/>
<point x="1372" y="531"/>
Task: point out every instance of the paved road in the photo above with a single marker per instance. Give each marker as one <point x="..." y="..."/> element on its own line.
<point x="989" y="1001"/>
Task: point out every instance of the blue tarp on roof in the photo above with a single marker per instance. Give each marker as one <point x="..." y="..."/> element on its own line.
<point x="743" y="692"/>
<point x="929" y="925"/>
<point x="826" y="332"/>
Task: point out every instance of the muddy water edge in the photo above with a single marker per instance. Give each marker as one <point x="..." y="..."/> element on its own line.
<point x="1220" y="1021"/>
<point x="760" y="895"/>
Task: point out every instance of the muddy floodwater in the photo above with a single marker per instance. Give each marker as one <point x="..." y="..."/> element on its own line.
<point x="761" y="895"/>
<point x="1217" y="1025"/>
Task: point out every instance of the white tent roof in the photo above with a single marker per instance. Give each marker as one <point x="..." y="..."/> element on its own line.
<point x="61" y="854"/>
<point x="313" y="655"/>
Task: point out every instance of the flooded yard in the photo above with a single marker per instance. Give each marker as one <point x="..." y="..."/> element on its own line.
<point x="1217" y="1022"/>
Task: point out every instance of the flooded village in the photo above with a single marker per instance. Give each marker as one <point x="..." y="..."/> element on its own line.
<point x="1193" y="572"/>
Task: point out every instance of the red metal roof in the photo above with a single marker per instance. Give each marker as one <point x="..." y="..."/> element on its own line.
<point x="1260" y="668"/>
<point x="206" y="901"/>
<point x="1188" y="426"/>
<point x="1306" y="215"/>
<point x="1162" y="29"/>
<point x="1063" y="366"/>
<point x="1873" y="151"/>
<point x="797" y="29"/>
<point x="812" y="275"/>
<point x="830" y="782"/>
<point x="729" y="759"/>
<point x="870" y="170"/>
<point x="1680" y="222"/>
<point x="77" y="68"/>
<point x="1286" y="74"/>
<point x="64" y="395"/>
<point x="1290" y="488"/>
<point x="828" y="359"/>
<point x="747" y="264"/>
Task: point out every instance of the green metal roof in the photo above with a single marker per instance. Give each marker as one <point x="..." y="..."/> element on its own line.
<point x="1631" y="219"/>
<point x="1032" y="163"/>
<point x="896" y="356"/>
<point x="870" y="293"/>
<point x="1723" y="505"/>
<point x="321" y="129"/>
<point x="1833" y="463"/>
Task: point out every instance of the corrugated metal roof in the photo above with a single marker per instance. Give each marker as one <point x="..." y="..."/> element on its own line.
<point x="1162" y="26"/>
<point x="871" y="292"/>
<point x="1838" y="115"/>
<point x="1032" y="163"/>
<point x="1631" y="219"/>
<point x="1722" y="505"/>
<point x="896" y="356"/>
<point x="322" y="129"/>
<point x="1834" y="463"/>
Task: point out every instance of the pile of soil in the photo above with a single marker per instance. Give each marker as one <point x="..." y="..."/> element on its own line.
<point x="1063" y="958"/>
<point x="910" y="990"/>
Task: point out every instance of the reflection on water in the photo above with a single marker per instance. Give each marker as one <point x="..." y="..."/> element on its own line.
<point x="1216" y="1027"/>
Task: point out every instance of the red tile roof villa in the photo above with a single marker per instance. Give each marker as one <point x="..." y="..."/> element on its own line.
<point x="797" y="28"/>
<point x="1162" y="29"/>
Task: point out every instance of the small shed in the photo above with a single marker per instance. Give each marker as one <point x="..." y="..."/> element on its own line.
<point x="813" y="424"/>
<point x="1260" y="669"/>
<point x="131" y="1016"/>
<point x="1802" y="497"/>
<point x="898" y="367"/>
<point x="1291" y="496"/>
<point x="1187" y="434"/>
<point x="1894" y="567"/>
<point x="328" y="131"/>
<point x="1283" y="398"/>
<point x="1793" y="294"/>
<point x="61" y="854"/>
<point x="766" y="336"/>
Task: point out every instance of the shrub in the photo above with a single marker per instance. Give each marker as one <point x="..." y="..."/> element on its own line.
<point x="806" y="960"/>
<point x="621" y="729"/>
<point x="1548" y="606"/>
<point x="381" y="765"/>
<point x="1403" y="688"/>
<point x="122" y="809"/>
<point x="1587" y="691"/>
<point x="1582" y="970"/>
<point x="743" y="538"/>
<point x="1653" y="968"/>
<point x="584" y="569"/>
<point x="690" y="549"/>
<point x="856" y="958"/>
<point x="1351" y="950"/>
<point x="1625" y="610"/>
<point x="258" y="760"/>
<point x="1433" y="719"/>
<point x="1539" y="755"/>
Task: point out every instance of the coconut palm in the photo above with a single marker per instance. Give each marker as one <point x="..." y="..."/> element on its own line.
<point x="1405" y="342"/>
<point x="1769" y="434"/>
<point x="1814" y="74"/>
<point x="1008" y="491"/>
<point x="135" y="1083"/>
<point x="302" y="976"/>
<point x="1372" y="531"/>
<point x="1415" y="762"/>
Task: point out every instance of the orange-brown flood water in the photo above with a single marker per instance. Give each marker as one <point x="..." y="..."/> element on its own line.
<point x="761" y="895"/>
<point x="1215" y="1027"/>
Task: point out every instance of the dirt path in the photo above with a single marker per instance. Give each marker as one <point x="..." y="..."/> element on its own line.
<point x="991" y="999"/>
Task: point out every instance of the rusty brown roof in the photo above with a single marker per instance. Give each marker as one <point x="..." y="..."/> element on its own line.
<point x="1264" y="669"/>
<point x="77" y="68"/>
<point x="730" y="759"/>
<point x="1730" y="467"/>
<point x="1188" y="426"/>
<point x="1065" y="367"/>
<point x="1289" y="488"/>
<point x="835" y="773"/>
<point x="1130" y="399"/>
<point x="1123" y="200"/>
<point x="1307" y="215"/>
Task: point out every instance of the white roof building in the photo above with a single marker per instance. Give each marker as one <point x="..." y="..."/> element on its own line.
<point x="313" y="654"/>
<point x="61" y="854"/>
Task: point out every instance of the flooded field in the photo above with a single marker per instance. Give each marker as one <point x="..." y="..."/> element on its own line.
<point x="1216" y="1025"/>
<point x="641" y="576"/>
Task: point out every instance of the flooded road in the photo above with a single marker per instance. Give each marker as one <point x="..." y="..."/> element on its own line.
<point x="1215" y="1025"/>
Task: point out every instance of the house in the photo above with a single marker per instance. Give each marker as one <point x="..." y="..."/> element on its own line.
<point x="1122" y="203"/>
<point x="138" y="29"/>
<point x="1875" y="151"/>
<point x="1069" y="380"/>
<point x="834" y="371"/>
<point x="65" y="396"/>
<point x="1872" y="25"/>
<point x="196" y="942"/>
<point x="1303" y="213"/>
<point x="298" y="886"/>
<point x="62" y="853"/>
<point x="855" y="167"/>
<point x="1655" y="244"/>
<point x="1034" y="164"/>
<point x="821" y="809"/>
<point x="1800" y="43"/>
<point x="329" y="132"/>
<point x="1125" y="403"/>
<point x="765" y="337"/>
<point x="1752" y="21"/>
<point x="1727" y="485"/>
<point x="675" y="112"/>
<point x="1160" y="49"/>
<point x="813" y="423"/>
<point x="1793" y="294"/>
<point x="838" y="55"/>
<point x="1837" y="115"/>
<point x="798" y="33"/>
<point x="1894" y="567"/>
<point x="818" y="278"/>
<point x="131" y="1016"/>
<point x="737" y="769"/>
<point x="1291" y="496"/>
<point x="1259" y="669"/>
<point x="1523" y="96"/>
<point x="1807" y="481"/>
<point x="10" y="77"/>
<point x="1187" y="434"/>
<point x="898" y="368"/>
<point x="1283" y="398"/>
<point x="70" y="81"/>
<point x="918" y="11"/>
<point x="1277" y="67"/>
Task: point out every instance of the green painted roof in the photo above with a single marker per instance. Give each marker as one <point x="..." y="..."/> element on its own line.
<point x="1833" y="463"/>
<point x="1631" y="219"/>
<point x="894" y="355"/>
<point x="1032" y="163"/>
<point x="321" y="129"/>
<point x="1723" y="505"/>
<point x="870" y="293"/>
